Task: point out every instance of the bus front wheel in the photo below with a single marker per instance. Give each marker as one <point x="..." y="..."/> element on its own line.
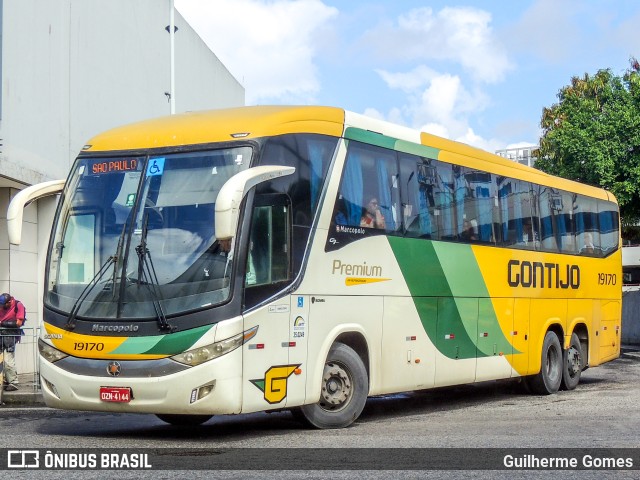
<point x="573" y="364"/>
<point x="183" y="420"/>
<point x="345" y="386"/>
<point x="548" y="380"/>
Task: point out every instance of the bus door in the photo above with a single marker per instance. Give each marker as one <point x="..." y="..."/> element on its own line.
<point x="266" y="368"/>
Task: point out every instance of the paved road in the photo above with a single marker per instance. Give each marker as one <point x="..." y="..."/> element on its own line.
<point x="603" y="412"/>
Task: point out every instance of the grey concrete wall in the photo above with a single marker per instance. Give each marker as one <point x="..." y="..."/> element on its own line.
<point x="19" y="276"/>
<point x="73" y="68"/>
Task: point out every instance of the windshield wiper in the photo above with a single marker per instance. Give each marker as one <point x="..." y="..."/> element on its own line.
<point x="113" y="259"/>
<point x="71" y="322"/>
<point x="147" y="272"/>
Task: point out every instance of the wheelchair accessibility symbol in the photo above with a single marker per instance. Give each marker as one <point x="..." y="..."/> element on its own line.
<point x="155" y="167"/>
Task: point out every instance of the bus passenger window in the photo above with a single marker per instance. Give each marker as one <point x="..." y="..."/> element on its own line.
<point x="608" y="227"/>
<point x="444" y="195"/>
<point x="418" y="178"/>
<point x="368" y="196"/>
<point x="516" y="209"/>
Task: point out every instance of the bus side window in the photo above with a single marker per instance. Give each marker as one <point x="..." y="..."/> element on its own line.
<point x="369" y="194"/>
<point x="516" y="212"/>
<point x="608" y="227"/>
<point x="418" y="178"/>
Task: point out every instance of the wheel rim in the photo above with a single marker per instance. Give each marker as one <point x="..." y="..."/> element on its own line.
<point x="573" y="361"/>
<point x="554" y="363"/>
<point x="337" y="387"/>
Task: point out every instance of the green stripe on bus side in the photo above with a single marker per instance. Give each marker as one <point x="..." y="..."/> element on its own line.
<point x="445" y="282"/>
<point x="371" y="138"/>
<point x="170" y="344"/>
<point x="466" y="281"/>
<point x="136" y="345"/>
<point x="179" y="342"/>
<point x="461" y="269"/>
<point x="420" y="267"/>
<point x="384" y="141"/>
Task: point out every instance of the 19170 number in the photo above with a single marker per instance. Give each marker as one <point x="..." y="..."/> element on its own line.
<point x="88" y="346"/>
<point x="607" y="279"/>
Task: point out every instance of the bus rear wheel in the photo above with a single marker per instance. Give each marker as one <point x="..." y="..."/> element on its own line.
<point x="345" y="386"/>
<point x="573" y="364"/>
<point x="548" y="380"/>
<point x="183" y="420"/>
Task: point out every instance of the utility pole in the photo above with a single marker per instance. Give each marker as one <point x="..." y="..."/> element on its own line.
<point x="172" y="34"/>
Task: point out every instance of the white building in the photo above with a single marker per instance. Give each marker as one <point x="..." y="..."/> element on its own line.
<point x="71" y="69"/>
<point x="524" y="155"/>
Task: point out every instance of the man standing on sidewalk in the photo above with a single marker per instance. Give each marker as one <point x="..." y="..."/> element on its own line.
<point x="12" y="317"/>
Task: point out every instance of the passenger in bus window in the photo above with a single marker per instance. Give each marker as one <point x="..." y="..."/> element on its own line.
<point x="371" y="216"/>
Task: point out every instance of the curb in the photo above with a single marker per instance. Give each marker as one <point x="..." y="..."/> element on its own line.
<point x="630" y="353"/>
<point x="27" y="396"/>
<point x="28" y="393"/>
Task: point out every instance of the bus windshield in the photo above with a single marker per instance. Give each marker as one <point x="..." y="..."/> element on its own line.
<point x="135" y="235"/>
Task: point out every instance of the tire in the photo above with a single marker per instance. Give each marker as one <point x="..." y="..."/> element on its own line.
<point x="183" y="420"/>
<point x="573" y="363"/>
<point x="548" y="380"/>
<point x="345" y="387"/>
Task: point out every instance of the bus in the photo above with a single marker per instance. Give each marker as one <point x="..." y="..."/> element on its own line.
<point x="306" y="258"/>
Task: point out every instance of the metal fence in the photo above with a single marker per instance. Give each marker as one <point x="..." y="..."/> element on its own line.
<point x="27" y="358"/>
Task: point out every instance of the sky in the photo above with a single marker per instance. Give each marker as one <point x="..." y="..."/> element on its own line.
<point x="479" y="72"/>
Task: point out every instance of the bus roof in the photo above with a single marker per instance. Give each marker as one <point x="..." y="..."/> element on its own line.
<point x="243" y="123"/>
<point x="225" y="125"/>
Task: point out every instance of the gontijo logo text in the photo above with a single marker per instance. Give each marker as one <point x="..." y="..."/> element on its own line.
<point x="542" y="275"/>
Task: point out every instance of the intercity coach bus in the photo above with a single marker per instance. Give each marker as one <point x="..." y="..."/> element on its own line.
<point x="304" y="258"/>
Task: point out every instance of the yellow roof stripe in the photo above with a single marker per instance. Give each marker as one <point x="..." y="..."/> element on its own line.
<point x="462" y="154"/>
<point x="218" y="126"/>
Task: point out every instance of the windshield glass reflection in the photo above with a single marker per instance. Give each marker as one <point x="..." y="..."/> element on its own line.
<point x="135" y="236"/>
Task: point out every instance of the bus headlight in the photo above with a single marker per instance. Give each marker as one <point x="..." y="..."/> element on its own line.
<point x="50" y="353"/>
<point x="209" y="352"/>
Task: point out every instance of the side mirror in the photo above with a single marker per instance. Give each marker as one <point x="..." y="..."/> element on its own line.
<point x="24" y="198"/>
<point x="235" y="189"/>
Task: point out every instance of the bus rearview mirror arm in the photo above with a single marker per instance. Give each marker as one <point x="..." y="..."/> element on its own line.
<point x="24" y="198"/>
<point x="234" y="190"/>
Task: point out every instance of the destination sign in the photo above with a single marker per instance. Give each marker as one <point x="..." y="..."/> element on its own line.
<point x="110" y="166"/>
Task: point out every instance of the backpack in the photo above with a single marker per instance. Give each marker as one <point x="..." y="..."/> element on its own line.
<point x="16" y="332"/>
<point x="15" y="309"/>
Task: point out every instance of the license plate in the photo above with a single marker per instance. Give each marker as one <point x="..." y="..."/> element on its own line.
<point x="115" y="394"/>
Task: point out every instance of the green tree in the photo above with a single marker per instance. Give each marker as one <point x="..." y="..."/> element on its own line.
<point x="592" y="135"/>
